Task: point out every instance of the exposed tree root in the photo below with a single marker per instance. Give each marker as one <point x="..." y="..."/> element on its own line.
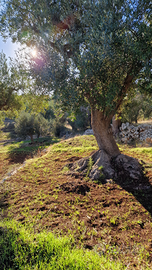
<point x="101" y="166"/>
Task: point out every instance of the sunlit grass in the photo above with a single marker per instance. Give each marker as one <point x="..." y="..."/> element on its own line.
<point x="142" y="150"/>
<point x="79" y="144"/>
<point x="20" y="249"/>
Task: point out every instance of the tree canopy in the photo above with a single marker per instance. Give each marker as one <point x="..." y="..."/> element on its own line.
<point x="92" y="49"/>
<point x="95" y="50"/>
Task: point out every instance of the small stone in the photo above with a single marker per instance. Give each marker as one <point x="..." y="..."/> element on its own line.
<point x="89" y="132"/>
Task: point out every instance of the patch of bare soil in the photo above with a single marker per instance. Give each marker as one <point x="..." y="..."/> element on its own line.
<point x="78" y="187"/>
<point x="112" y="218"/>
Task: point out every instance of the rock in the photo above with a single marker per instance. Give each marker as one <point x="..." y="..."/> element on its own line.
<point x="19" y="139"/>
<point x="89" y="132"/>
<point x="129" y="133"/>
<point x="121" y="168"/>
<point x="128" y="168"/>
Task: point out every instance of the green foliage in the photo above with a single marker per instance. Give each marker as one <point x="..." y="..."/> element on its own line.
<point x="147" y="107"/>
<point x="86" y="49"/>
<point x="25" y="125"/>
<point x="131" y="110"/>
<point x="9" y="85"/>
<point x="2" y="118"/>
<point x="35" y="103"/>
<point x="41" y="125"/>
<point x="57" y="118"/>
<point x="49" y="112"/>
<point x="140" y="106"/>
<point x="81" y="119"/>
<point x="29" y="124"/>
<point x="58" y="128"/>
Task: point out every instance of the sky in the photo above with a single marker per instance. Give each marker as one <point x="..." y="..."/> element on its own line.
<point x="8" y="47"/>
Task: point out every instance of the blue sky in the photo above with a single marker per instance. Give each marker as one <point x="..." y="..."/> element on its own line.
<point x="8" y="47"/>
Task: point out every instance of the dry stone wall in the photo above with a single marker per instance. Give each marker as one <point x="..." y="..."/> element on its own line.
<point x="129" y="132"/>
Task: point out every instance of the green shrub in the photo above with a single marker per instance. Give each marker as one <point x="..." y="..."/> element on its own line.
<point x="41" y="125"/>
<point x="82" y="119"/>
<point x="28" y="125"/>
<point x="57" y="127"/>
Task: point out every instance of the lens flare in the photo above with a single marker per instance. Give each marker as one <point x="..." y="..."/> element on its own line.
<point x="34" y="52"/>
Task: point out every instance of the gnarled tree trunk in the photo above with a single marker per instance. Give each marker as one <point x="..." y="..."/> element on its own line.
<point x="107" y="162"/>
<point x="103" y="133"/>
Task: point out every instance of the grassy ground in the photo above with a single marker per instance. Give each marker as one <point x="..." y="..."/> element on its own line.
<point x="107" y="226"/>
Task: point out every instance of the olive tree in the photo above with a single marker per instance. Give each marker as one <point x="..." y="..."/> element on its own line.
<point x="95" y="50"/>
<point x="28" y="124"/>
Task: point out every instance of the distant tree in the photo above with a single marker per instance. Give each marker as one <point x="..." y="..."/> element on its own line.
<point x="35" y="103"/>
<point x="49" y="111"/>
<point x="81" y="119"/>
<point x="147" y="107"/>
<point x="29" y="124"/>
<point x="96" y="50"/>
<point x="139" y="106"/>
<point x="41" y="125"/>
<point x="131" y="110"/>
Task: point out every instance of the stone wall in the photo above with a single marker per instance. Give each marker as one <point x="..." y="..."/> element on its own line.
<point x="130" y="132"/>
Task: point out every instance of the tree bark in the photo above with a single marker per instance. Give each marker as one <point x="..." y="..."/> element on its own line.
<point x="31" y="136"/>
<point x="116" y="123"/>
<point x="107" y="163"/>
<point x="103" y="133"/>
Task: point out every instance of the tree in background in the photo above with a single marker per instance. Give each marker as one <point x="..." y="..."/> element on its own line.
<point x="93" y="50"/>
<point x="17" y="90"/>
<point x="147" y="107"/>
<point x="29" y="124"/>
<point x="41" y="125"/>
<point x="81" y="119"/>
<point x="135" y="108"/>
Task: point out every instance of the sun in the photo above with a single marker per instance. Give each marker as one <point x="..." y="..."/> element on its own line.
<point x="34" y="52"/>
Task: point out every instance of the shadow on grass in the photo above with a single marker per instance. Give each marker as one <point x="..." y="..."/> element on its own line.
<point x="16" y="252"/>
<point x="19" y="152"/>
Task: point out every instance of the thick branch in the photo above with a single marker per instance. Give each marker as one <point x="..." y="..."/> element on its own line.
<point x="127" y="82"/>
